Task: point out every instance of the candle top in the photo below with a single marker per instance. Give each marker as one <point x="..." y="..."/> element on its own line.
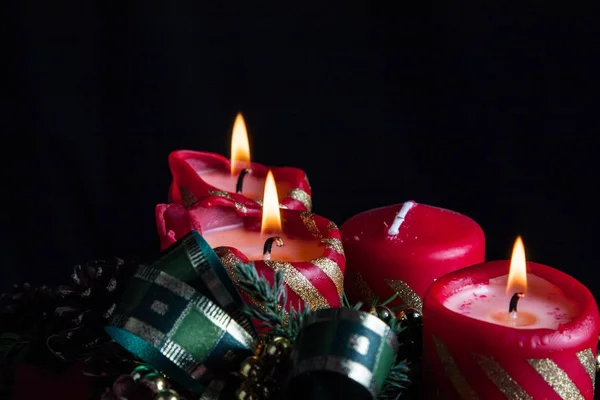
<point x="544" y="301"/>
<point x="439" y="232"/>
<point x="251" y="243"/>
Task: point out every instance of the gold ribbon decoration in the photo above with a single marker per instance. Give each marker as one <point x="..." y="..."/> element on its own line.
<point x="301" y="196"/>
<point x="464" y="390"/>
<point x="556" y="378"/>
<point x="406" y="293"/>
<point x="505" y="383"/>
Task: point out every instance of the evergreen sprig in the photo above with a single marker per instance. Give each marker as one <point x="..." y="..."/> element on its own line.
<point x="269" y="308"/>
<point x="270" y="302"/>
<point x="396" y="381"/>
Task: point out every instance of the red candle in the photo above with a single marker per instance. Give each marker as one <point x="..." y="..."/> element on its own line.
<point x="404" y="248"/>
<point x="531" y="334"/>
<point x="311" y="253"/>
<point x="197" y="174"/>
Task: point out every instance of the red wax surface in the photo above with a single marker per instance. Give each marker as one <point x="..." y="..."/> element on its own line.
<point x="514" y="351"/>
<point x="430" y="242"/>
<point x="317" y="278"/>
<point x="204" y="174"/>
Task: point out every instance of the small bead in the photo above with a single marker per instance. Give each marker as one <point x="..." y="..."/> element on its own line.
<point x="166" y="394"/>
<point x="277" y="349"/>
<point x="141" y="371"/>
<point x="383" y="313"/>
<point x="244" y="393"/>
<point x="159" y="381"/>
<point x="251" y="368"/>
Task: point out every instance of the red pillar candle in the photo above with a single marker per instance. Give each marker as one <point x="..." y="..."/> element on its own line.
<point x="197" y="174"/>
<point x="475" y="347"/>
<point x="404" y="248"/>
<point x="312" y="257"/>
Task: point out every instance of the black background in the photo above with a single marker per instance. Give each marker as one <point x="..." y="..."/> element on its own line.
<point x="487" y="110"/>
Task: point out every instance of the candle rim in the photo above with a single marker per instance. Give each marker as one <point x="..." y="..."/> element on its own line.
<point x="571" y="287"/>
<point x="289" y="178"/>
<point x="287" y="216"/>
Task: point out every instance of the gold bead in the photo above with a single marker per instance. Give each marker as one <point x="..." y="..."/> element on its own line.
<point x="141" y="371"/>
<point x="166" y="394"/>
<point x="261" y="391"/>
<point x="259" y="348"/>
<point x="158" y="380"/>
<point x="278" y="348"/>
<point x="244" y="393"/>
<point x="252" y="369"/>
<point x="598" y="363"/>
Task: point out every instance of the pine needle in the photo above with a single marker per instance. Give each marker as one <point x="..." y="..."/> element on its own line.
<point x="271" y="302"/>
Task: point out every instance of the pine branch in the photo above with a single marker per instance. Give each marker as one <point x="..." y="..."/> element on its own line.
<point x="396" y="381"/>
<point x="271" y="301"/>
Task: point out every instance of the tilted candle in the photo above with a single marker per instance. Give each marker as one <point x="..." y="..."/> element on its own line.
<point x="198" y="174"/>
<point x="311" y="256"/>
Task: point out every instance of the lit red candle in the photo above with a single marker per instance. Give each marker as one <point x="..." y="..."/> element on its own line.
<point x="530" y="333"/>
<point x="198" y="174"/>
<point x="305" y="246"/>
<point x="404" y="248"/>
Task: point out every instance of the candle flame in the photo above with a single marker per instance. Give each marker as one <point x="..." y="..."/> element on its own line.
<point x="271" y="217"/>
<point x="517" y="276"/>
<point x="240" y="147"/>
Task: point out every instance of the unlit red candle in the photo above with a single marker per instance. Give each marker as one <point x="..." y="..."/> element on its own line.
<point x="403" y="248"/>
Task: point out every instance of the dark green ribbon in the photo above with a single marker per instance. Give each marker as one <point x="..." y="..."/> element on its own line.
<point x="342" y="353"/>
<point x="171" y="326"/>
<point x="193" y="261"/>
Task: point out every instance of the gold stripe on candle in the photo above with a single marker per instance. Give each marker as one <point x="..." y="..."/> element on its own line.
<point x="557" y="378"/>
<point x="220" y="193"/>
<point x="505" y="383"/>
<point x="586" y="358"/>
<point x="334" y="244"/>
<point x="331" y="226"/>
<point x="366" y="293"/>
<point x="187" y="197"/>
<point x="406" y="294"/>
<point x="299" y="284"/>
<point x="464" y="390"/>
<point x="238" y="206"/>
<point x="302" y="197"/>
<point x="308" y="219"/>
<point x="333" y="271"/>
<point x="230" y="261"/>
<point x="260" y="202"/>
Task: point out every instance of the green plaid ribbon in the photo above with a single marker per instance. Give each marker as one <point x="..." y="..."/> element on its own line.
<point x="192" y="260"/>
<point x="171" y="326"/>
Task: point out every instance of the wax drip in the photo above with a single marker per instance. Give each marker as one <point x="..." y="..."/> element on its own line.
<point x="514" y="300"/>
<point x="240" y="182"/>
<point x="269" y="246"/>
<point x="395" y="228"/>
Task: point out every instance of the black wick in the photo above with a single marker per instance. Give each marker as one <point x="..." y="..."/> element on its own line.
<point x="269" y="246"/>
<point x="514" y="300"/>
<point x="240" y="181"/>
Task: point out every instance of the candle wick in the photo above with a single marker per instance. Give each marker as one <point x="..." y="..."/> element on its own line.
<point x="240" y="182"/>
<point x="269" y="246"/>
<point x="514" y="300"/>
<point x="395" y="228"/>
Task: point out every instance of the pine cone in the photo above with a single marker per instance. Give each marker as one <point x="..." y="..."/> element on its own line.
<point x="86" y="305"/>
<point x="26" y="309"/>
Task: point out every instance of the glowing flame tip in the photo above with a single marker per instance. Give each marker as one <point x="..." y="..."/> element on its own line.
<point x="517" y="276"/>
